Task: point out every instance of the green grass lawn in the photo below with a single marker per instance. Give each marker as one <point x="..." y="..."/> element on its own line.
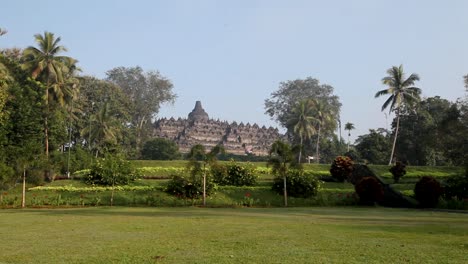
<point x="242" y="235"/>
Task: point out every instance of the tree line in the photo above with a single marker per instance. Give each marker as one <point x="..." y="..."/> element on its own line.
<point x="54" y="120"/>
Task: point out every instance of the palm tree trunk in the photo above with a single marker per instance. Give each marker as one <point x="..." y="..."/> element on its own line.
<point x="396" y="134"/>
<point x="317" y="146"/>
<point x="285" y="192"/>
<point x="300" y="152"/>
<point x="23" y="197"/>
<point x="349" y="134"/>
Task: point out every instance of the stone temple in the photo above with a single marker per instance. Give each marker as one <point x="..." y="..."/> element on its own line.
<point x="198" y="128"/>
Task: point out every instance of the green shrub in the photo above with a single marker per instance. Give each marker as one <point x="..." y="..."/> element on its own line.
<point x="234" y="174"/>
<point x="298" y="184"/>
<point x="341" y="168"/>
<point x="189" y="186"/>
<point x="398" y="171"/>
<point x="219" y="174"/>
<point x="369" y="190"/>
<point x="111" y="170"/>
<point x="427" y="191"/>
<point x="456" y="186"/>
<point x="6" y="176"/>
<point x="160" y="149"/>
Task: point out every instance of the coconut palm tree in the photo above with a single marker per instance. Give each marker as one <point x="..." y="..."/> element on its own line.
<point x="402" y="93"/>
<point x="349" y="127"/>
<point x="302" y="121"/>
<point x="48" y="67"/>
<point x="324" y="115"/>
<point x="280" y="158"/>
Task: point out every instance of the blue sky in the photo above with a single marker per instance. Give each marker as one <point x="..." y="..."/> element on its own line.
<point x="232" y="55"/>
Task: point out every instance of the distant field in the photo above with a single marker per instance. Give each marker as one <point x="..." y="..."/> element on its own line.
<point x="247" y="235"/>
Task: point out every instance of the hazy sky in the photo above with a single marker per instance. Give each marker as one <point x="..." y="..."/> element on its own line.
<point x="232" y="55"/>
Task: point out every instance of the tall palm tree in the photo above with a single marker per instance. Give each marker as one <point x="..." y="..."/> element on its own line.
<point x="349" y="127"/>
<point x="302" y="121"/>
<point x="402" y="93"/>
<point x="48" y="67"/>
<point x="280" y="158"/>
<point x="324" y="115"/>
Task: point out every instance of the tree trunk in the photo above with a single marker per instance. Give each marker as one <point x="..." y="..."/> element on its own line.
<point x="285" y="192"/>
<point x="204" y="186"/>
<point x="112" y="193"/>
<point x="349" y="134"/>
<point x="300" y="152"/>
<point x="317" y="146"/>
<point x="23" y="197"/>
<point x="46" y="126"/>
<point x="396" y="134"/>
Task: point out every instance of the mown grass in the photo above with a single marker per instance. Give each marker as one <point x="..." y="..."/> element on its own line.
<point x="224" y="235"/>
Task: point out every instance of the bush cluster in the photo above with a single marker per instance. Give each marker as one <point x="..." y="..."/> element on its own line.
<point x="234" y="174"/>
<point x="189" y="186"/>
<point x="111" y="170"/>
<point x="369" y="190"/>
<point x="456" y="187"/>
<point x="341" y="168"/>
<point x="298" y="184"/>
<point x="428" y="191"/>
<point x="398" y="171"/>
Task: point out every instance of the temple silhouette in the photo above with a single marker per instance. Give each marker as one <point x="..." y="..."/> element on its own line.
<point x="198" y="128"/>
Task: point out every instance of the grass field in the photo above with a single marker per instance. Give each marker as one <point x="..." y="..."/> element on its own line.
<point x="244" y="235"/>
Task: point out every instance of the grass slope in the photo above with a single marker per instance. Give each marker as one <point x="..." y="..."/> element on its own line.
<point x="248" y="235"/>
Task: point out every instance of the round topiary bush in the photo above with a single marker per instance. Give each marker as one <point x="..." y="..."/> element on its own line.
<point x="341" y="168"/>
<point x="369" y="190"/>
<point x="298" y="184"/>
<point x="428" y="191"/>
<point x="456" y="187"/>
<point x="111" y="170"/>
<point x="398" y="171"/>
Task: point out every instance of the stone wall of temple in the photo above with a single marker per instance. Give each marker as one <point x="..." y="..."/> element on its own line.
<point x="198" y="128"/>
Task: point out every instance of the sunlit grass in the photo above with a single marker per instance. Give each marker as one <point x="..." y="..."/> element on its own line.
<point x="243" y="235"/>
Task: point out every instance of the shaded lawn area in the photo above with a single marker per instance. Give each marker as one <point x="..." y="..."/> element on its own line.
<point x="226" y="235"/>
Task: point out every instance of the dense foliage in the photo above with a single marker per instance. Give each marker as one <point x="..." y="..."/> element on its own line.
<point x="398" y="170"/>
<point x="299" y="184"/>
<point x="369" y="190"/>
<point x="111" y="170"/>
<point x="189" y="186"/>
<point x="160" y="149"/>
<point x="341" y="168"/>
<point x="428" y="191"/>
<point x="234" y="174"/>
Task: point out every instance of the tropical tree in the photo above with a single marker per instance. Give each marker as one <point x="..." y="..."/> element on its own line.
<point x="103" y="131"/>
<point x="325" y="116"/>
<point x="302" y="122"/>
<point x="280" y="157"/>
<point x="349" y="127"/>
<point x="199" y="160"/>
<point x="147" y="91"/>
<point x="402" y="93"/>
<point x="47" y="66"/>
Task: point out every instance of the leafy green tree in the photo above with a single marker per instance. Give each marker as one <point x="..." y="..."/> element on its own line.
<point x="200" y="160"/>
<point x="349" y="127"/>
<point x="47" y="66"/>
<point x="160" y="149"/>
<point x="402" y="93"/>
<point x="374" y="147"/>
<point x="302" y="122"/>
<point x="93" y="95"/>
<point x="280" y="157"/>
<point x="104" y="130"/>
<point x="147" y="92"/>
